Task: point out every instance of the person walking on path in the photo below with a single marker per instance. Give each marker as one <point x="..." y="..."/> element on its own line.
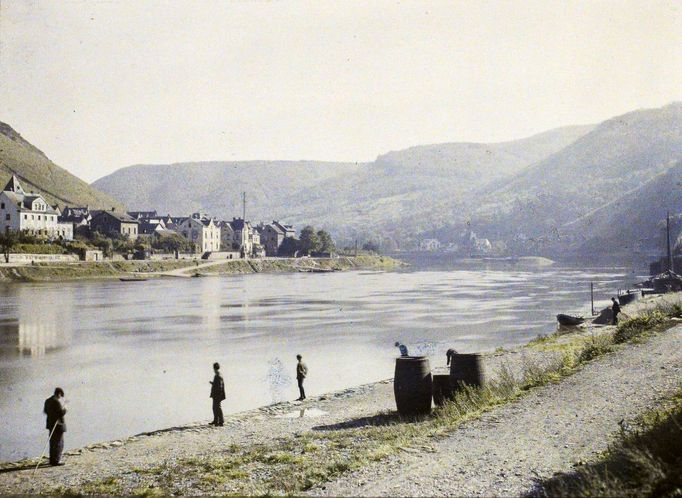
<point x="402" y="348"/>
<point x="615" y="310"/>
<point x="301" y="373"/>
<point x="218" y="395"/>
<point x="55" y="410"/>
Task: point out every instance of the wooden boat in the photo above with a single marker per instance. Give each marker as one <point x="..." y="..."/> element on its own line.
<point x="569" y="320"/>
<point x="132" y="279"/>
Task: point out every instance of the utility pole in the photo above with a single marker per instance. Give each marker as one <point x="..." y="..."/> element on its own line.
<point x="244" y="206"/>
<point x="670" y="253"/>
<point x="592" y="296"/>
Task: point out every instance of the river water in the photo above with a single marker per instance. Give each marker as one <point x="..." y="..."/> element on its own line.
<point x="135" y="357"/>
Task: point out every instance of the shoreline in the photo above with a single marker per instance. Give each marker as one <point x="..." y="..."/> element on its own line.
<point x="493" y="359"/>
<point x="148" y="269"/>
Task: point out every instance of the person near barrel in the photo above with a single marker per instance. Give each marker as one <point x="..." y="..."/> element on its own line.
<point x="450" y="355"/>
<point x="55" y="409"/>
<point x="402" y="348"/>
<point x="218" y="395"/>
<point x="615" y="310"/>
<point x="301" y="374"/>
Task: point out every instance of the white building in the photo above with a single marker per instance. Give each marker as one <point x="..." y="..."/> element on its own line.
<point x="31" y="213"/>
<point x="201" y="231"/>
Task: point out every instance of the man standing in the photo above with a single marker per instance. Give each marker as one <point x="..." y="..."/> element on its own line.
<point x="301" y="372"/>
<point x="615" y="310"/>
<point x="55" y="410"/>
<point x="218" y="395"/>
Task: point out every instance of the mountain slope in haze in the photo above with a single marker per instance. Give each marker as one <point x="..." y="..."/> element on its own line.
<point x="618" y="156"/>
<point x="631" y="222"/>
<point x="37" y="173"/>
<point x="216" y="187"/>
<point x="401" y="192"/>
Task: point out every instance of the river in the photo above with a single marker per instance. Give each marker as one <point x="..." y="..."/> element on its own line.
<point x="137" y="356"/>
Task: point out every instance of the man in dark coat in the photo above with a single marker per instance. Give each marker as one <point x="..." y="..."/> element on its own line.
<point x="218" y="395"/>
<point x="615" y="310"/>
<point x="55" y="410"/>
<point x="301" y="373"/>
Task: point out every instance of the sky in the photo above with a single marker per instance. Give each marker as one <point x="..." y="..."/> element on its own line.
<point x="99" y="85"/>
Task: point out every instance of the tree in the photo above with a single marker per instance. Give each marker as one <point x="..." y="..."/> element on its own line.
<point x="7" y="241"/>
<point x="288" y="247"/>
<point x="370" y="246"/>
<point x="171" y="243"/>
<point x="309" y="240"/>
<point x="326" y="243"/>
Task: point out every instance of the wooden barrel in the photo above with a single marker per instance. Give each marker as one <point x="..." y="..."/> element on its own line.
<point x="443" y="389"/>
<point x="412" y="385"/>
<point x="467" y="369"/>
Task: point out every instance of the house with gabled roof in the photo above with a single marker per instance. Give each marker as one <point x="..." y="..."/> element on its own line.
<point x="30" y="212"/>
<point x="273" y="234"/>
<point x="201" y="231"/>
<point x="114" y="222"/>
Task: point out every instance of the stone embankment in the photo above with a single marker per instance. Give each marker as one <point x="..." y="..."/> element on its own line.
<point x="578" y="393"/>
<point x="42" y="272"/>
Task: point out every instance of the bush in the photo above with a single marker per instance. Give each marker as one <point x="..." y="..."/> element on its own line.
<point x="635" y="327"/>
<point x="595" y="347"/>
<point x="38" y="249"/>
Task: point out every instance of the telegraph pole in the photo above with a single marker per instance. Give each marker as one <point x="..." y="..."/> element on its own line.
<point x="670" y="253"/>
<point x="244" y="206"/>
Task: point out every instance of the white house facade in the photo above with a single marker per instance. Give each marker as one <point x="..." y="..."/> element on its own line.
<point x="31" y="213"/>
<point x="204" y="233"/>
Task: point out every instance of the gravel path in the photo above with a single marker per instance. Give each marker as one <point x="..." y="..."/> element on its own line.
<point x="507" y="450"/>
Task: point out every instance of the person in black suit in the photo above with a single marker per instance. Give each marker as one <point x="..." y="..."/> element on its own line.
<point x="55" y="410"/>
<point x="218" y="395"/>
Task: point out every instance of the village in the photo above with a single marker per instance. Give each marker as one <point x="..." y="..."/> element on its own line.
<point x="27" y="219"/>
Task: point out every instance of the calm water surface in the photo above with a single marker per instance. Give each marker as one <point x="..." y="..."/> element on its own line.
<point x="134" y="357"/>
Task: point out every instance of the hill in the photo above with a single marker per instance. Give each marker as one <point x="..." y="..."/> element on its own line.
<point x="398" y="195"/>
<point x="37" y="173"/>
<point x="612" y="163"/>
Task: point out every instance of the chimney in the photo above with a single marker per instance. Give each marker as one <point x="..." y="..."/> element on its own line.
<point x="113" y="209"/>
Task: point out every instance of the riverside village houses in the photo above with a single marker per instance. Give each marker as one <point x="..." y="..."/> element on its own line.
<point x="30" y="213"/>
<point x="201" y="231"/>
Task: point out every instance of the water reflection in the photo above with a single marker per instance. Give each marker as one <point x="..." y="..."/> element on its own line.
<point x="36" y="327"/>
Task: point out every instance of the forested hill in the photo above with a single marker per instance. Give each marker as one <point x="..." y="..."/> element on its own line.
<point x="37" y="173"/>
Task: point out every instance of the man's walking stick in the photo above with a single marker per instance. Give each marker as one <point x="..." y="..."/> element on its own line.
<point x="45" y="448"/>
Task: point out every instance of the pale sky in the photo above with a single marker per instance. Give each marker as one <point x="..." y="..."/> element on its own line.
<point x="98" y="85"/>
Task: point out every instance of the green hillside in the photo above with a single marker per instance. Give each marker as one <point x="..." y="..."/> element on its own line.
<point x="398" y="195"/>
<point x="37" y="173"/>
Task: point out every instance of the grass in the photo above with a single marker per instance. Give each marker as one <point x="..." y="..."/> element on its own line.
<point x="644" y="462"/>
<point x="65" y="271"/>
<point x="300" y="462"/>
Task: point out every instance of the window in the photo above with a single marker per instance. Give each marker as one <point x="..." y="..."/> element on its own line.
<point x="38" y="217"/>
<point x="25" y="216"/>
<point x="2" y="205"/>
<point x="7" y="217"/>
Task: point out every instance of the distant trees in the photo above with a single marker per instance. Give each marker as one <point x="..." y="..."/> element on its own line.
<point x="288" y="248"/>
<point x="311" y="241"/>
<point x="8" y="240"/>
<point x="171" y="243"/>
<point x="308" y="240"/>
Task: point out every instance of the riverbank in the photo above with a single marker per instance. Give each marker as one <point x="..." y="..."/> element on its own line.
<point x="56" y="272"/>
<point x="541" y="415"/>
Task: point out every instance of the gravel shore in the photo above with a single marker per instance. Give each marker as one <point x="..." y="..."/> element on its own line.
<point x="502" y="453"/>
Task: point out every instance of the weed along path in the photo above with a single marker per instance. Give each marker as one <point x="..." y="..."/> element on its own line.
<point x="550" y="405"/>
<point x="552" y="429"/>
